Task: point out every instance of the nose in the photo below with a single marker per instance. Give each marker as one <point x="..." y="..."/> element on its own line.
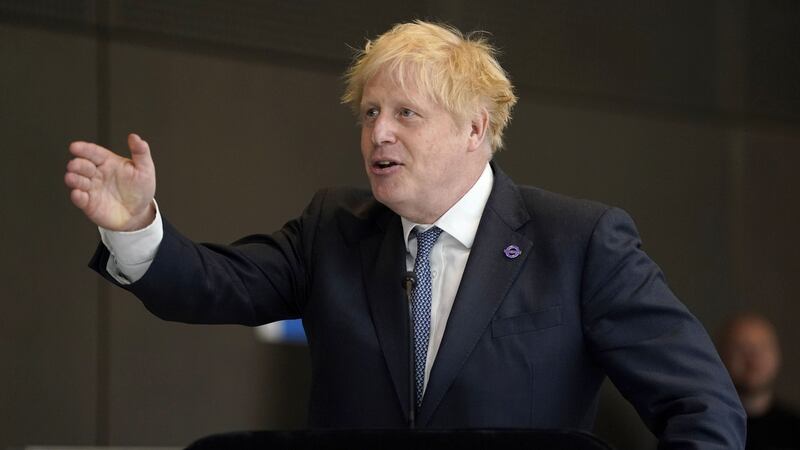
<point x="383" y="131"/>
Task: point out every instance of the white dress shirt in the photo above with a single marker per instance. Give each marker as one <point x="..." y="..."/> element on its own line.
<point x="132" y="253"/>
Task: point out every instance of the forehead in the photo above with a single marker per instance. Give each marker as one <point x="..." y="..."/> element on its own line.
<point x="751" y="330"/>
<point x="394" y="84"/>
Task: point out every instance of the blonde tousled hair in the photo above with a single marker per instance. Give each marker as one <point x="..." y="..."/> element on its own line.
<point x="458" y="72"/>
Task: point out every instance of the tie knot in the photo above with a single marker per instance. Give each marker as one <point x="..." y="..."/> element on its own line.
<point x="426" y="239"/>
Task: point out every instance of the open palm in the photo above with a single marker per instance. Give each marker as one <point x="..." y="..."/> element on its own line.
<point x="114" y="192"/>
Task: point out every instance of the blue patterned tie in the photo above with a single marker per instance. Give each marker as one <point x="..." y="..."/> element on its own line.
<point x="421" y="305"/>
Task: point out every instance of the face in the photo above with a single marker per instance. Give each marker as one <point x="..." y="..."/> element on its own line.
<point x="752" y="356"/>
<point x="420" y="160"/>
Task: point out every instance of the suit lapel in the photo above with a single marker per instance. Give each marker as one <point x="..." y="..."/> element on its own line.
<point x="383" y="256"/>
<point x="487" y="278"/>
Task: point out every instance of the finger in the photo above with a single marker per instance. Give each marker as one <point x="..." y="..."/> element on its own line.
<point x="75" y="181"/>
<point x="140" y="152"/>
<point x="93" y="152"/>
<point x="79" y="198"/>
<point x="82" y="167"/>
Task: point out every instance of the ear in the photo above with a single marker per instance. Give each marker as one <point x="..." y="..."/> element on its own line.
<point x="478" y="128"/>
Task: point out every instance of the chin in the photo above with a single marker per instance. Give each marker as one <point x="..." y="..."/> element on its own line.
<point x="383" y="191"/>
<point x="387" y="197"/>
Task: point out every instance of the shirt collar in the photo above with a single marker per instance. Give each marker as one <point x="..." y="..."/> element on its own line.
<point x="462" y="219"/>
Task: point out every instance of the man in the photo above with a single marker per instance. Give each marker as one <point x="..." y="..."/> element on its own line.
<point x="749" y="347"/>
<point x="524" y="300"/>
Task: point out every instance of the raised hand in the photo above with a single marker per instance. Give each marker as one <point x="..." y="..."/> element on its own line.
<point x="114" y="192"/>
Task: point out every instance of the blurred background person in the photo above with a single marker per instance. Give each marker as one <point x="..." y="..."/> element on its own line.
<point x="750" y="349"/>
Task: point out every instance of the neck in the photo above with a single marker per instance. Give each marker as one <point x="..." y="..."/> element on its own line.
<point x="435" y="211"/>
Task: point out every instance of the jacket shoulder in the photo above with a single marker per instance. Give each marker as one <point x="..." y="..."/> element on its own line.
<point x="560" y="209"/>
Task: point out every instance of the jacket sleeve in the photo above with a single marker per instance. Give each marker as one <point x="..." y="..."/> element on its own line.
<point x="255" y="280"/>
<point x="653" y="349"/>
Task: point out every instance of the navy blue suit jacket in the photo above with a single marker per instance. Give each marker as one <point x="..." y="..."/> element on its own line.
<point x="527" y="344"/>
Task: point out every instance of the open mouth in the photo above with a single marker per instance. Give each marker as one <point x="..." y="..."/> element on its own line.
<point x="385" y="164"/>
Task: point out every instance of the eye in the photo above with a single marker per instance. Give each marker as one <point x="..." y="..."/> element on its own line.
<point x="370" y="113"/>
<point x="407" y="113"/>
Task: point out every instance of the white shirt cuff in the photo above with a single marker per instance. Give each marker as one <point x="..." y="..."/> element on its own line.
<point x="132" y="252"/>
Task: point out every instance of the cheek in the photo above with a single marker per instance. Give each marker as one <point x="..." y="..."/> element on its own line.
<point x="366" y="144"/>
<point x="431" y="147"/>
<point x="365" y="140"/>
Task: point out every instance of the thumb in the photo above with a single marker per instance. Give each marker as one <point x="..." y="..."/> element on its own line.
<point x="140" y="152"/>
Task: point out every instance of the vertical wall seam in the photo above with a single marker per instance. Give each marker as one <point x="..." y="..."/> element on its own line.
<point x="102" y="421"/>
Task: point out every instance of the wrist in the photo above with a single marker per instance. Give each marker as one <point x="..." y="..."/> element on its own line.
<point x="142" y="220"/>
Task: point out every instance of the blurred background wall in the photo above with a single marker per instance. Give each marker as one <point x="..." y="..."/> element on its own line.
<point x="686" y="113"/>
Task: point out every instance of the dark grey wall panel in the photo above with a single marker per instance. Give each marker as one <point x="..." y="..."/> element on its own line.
<point x="774" y="58"/>
<point x="75" y="11"/>
<point x="317" y="29"/>
<point x="172" y="383"/>
<point x="648" y="52"/>
<point x="48" y="325"/>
